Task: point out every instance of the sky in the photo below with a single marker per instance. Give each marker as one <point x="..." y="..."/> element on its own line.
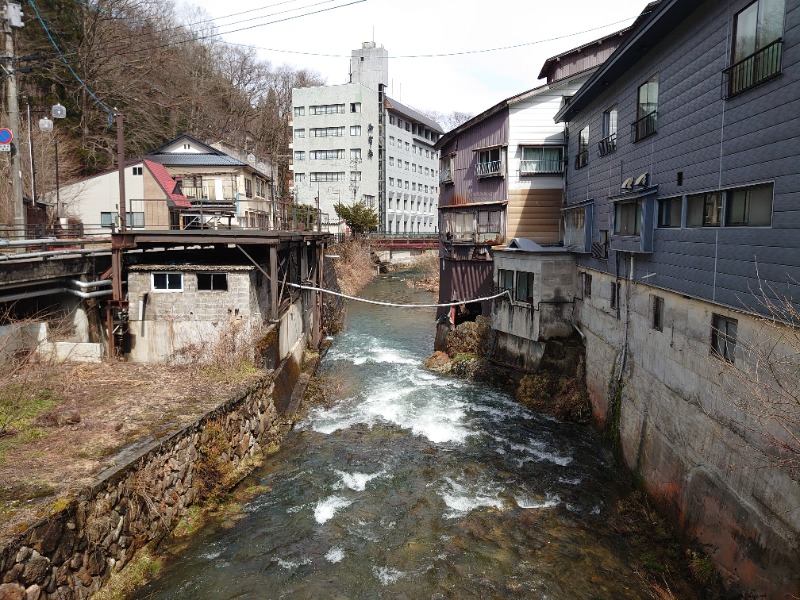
<point x="419" y="35"/>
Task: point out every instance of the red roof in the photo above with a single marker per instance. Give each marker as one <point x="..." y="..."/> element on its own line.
<point x="167" y="183"/>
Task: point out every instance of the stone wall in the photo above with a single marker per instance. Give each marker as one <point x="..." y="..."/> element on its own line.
<point x="71" y="552"/>
<point x="678" y="411"/>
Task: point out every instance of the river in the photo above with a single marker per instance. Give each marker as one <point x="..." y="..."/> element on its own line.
<point x="415" y="485"/>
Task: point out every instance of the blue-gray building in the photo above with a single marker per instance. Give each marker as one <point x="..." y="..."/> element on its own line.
<point x="682" y="204"/>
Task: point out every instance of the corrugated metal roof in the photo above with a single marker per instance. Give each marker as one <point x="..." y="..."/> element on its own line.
<point x="167" y="184"/>
<point x="196" y="160"/>
<point x="414" y="114"/>
<point x="527" y="245"/>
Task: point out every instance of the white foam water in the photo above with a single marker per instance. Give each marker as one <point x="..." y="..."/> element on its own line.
<point x="356" y="481"/>
<point x="551" y="501"/>
<point x="461" y="499"/>
<point x="386" y="575"/>
<point x="290" y="565"/>
<point x="335" y="555"/>
<point x="326" y="509"/>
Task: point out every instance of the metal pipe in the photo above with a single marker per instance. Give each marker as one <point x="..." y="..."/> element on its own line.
<point x="87" y="284"/>
<point x="50" y="291"/>
<point x="47" y="253"/>
<point x="13" y="243"/>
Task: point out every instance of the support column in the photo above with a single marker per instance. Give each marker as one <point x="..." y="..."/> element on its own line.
<point x="273" y="283"/>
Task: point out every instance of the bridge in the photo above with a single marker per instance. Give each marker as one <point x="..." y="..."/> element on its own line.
<point x="404" y="241"/>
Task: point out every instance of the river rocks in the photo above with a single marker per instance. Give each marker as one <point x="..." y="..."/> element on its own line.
<point x="438" y="361"/>
<point x="12" y="591"/>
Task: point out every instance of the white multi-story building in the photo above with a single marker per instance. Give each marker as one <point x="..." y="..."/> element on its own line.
<point x="353" y="143"/>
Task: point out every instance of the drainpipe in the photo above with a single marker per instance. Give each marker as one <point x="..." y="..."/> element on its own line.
<point x="50" y="291"/>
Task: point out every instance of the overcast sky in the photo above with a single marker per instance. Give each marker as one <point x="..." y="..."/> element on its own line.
<point x="470" y="82"/>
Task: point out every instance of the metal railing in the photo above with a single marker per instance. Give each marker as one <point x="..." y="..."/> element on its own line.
<point x="607" y="145"/>
<point x="489" y="169"/>
<point x="644" y="127"/>
<point x="761" y="66"/>
<point x="542" y="166"/>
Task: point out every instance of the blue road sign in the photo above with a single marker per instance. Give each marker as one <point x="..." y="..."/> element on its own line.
<point x="6" y="136"/>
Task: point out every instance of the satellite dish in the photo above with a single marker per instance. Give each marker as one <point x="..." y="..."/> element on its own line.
<point x="641" y="180"/>
<point x="627" y="184"/>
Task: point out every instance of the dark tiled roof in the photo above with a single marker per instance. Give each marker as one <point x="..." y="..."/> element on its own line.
<point x="196" y="160"/>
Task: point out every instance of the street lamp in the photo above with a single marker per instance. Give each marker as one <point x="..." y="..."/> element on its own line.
<point x="46" y="126"/>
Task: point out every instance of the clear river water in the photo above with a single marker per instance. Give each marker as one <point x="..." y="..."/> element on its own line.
<point x="415" y="485"/>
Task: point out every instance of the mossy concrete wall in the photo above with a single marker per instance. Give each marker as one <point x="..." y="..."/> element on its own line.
<point x="685" y="426"/>
<point x="70" y="553"/>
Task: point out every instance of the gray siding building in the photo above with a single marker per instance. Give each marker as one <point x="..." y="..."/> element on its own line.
<point x="682" y="206"/>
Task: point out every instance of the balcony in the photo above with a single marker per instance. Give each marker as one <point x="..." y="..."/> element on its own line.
<point x="541" y="167"/>
<point x="489" y="169"/>
<point x="755" y="69"/>
<point x="607" y="145"/>
<point x="445" y="175"/>
<point x="644" y="127"/>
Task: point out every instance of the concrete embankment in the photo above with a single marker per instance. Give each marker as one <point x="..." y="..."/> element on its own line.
<point x="72" y="551"/>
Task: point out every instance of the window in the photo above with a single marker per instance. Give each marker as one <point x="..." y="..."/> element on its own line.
<point x="391" y="181"/>
<point x="609" y="142"/>
<point x="408" y="126"/>
<point x="524" y="287"/>
<point x="107" y="219"/>
<point x="391" y="161"/>
<point x="400" y="123"/>
<point x="587" y="285"/>
<point x="505" y="279"/>
<point x="137" y="170"/>
<point x="407" y="166"/>
<point x="248" y="187"/>
<point x="542" y="160"/>
<point x="326" y="109"/>
<point x="723" y="337"/>
<point x="368" y="200"/>
<point x="391" y="120"/>
<point x="614" y="299"/>
<point x="299" y="133"/>
<point x="327" y="154"/>
<point x="646" y="110"/>
<point x="355" y="130"/>
<point x="657" y="312"/>
<point x="446" y="168"/>
<point x="405" y="144"/>
<point x="322" y="177"/>
<point x="749" y="207"/>
<point x="575" y="228"/>
<point x="669" y="212"/>
<point x="627" y="218"/>
<point x="215" y="282"/>
<point x="704" y="210"/>
<point x="167" y="282"/>
<point x="133" y="219"/>
<point x="299" y="177"/>
<point x="299" y="111"/>
<point x="299" y="155"/>
<point x="582" y="158"/>
<point x="489" y="163"/>
<point x="406" y="185"/>
<point x="327" y="132"/>
<point x="489" y="225"/>
<point x="757" y="45"/>
<point x="355" y="175"/>
<point x="355" y="107"/>
<point x="391" y="140"/>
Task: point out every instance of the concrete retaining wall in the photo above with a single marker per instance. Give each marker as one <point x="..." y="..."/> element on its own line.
<point x="706" y="460"/>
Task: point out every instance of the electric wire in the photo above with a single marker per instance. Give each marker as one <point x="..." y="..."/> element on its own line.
<point x="396" y="304"/>
<point x="66" y="62"/>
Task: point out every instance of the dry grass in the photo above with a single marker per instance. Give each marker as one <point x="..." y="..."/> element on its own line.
<point x="98" y="410"/>
<point x="354" y="269"/>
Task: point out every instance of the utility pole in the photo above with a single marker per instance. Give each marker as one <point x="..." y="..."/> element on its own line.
<point x="13" y="20"/>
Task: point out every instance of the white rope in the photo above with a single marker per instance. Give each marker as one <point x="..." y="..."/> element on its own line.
<point x="378" y="302"/>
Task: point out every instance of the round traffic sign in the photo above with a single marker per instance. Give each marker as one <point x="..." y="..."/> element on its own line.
<point x="5" y="135"/>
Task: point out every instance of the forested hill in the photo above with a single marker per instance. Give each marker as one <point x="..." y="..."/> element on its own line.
<point x="163" y="67"/>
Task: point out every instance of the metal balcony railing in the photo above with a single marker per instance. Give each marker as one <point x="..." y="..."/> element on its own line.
<point x="755" y="69"/>
<point x="489" y="169"/>
<point x="644" y="127"/>
<point x="544" y="166"/>
<point x="445" y="176"/>
<point x="607" y="145"/>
